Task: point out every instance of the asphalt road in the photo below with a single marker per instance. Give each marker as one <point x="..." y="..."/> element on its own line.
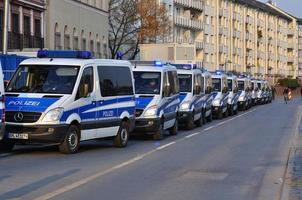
<point x="241" y="157"/>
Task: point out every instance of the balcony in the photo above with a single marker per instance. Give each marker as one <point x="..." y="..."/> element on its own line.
<point x="260" y="23"/>
<point x="182" y="40"/>
<point x="271" y="56"/>
<point x="199" y="45"/>
<point x="197" y="24"/>
<point x="183" y="21"/>
<point x="290" y="31"/>
<point x="223" y="31"/>
<point x="208" y="48"/>
<point x="236" y="34"/>
<point x="249" y="20"/>
<point x="290" y="59"/>
<point x="197" y="5"/>
<point x="208" y="29"/>
<point x="185" y="3"/>
<point x="281" y="44"/>
<point x="290" y="45"/>
<point x="261" y="54"/>
<point x="223" y="13"/>
<point x="249" y="36"/>
<point x="271" y="42"/>
<point x="249" y="53"/>
<point x="271" y="26"/>
<point x="223" y="49"/>
<point x="193" y="4"/>
<point x="209" y="10"/>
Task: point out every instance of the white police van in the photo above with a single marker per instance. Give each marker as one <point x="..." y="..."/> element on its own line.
<point x="157" y="98"/>
<point x="208" y="98"/>
<point x="261" y="94"/>
<point x="191" y="95"/>
<point x="3" y="144"/>
<point x="220" y="94"/>
<point x="233" y="94"/>
<point x="255" y="90"/>
<point x="64" y="97"/>
<point x="245" y="95"/>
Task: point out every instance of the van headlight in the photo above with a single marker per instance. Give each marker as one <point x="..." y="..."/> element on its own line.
<point x="151" y="111"/>
<point x="185" y="105"/>
<point x="53" y="115"/>
<point x="242" y="98"/>
<point x="216" y="102"/>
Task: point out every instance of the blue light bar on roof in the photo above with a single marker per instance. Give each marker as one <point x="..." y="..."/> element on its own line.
<point x="64" y="54"/>
<point x="158" y="63"/>
<point x="219" y="72"/>
<point x="185" y="66"/>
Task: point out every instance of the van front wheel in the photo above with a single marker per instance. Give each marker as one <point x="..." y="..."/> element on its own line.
<point x="159" y="134"/>
<point x="121" y="139"/>
<point x="6" y="146"/>
<point x="71" y="141"/>
<point x="174" y="129"/>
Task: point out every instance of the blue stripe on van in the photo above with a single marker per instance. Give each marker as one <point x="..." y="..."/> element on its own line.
<point x="142" y="102"/>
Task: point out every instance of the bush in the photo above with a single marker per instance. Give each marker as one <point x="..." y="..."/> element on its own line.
<point x="291" y="83"/>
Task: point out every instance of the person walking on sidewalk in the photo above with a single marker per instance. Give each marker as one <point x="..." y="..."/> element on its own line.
<point x="301" y="92"/>
<point x="285" y="95"/>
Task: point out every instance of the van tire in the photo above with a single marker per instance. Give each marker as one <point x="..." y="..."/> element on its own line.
<point x="200" y="121"/>
<point x="226" y="113"/>
<point x="122" y="136"/>
<point x="6" y="146"/>
<point x="71" y="141"/>
<point x="231" y="111"/>
<point x="159" y="134"/>
<point x="220" y="114"/>
<point x="204" y="119"/>
<point x="190" y="123"/>
<point x="210" y="117"/>
<point x="236" y="111"/>
<point x="174" y="129"/>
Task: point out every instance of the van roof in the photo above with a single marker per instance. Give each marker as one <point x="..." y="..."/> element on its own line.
<point x="73" y="61"/>
<point x="154" y="68"/>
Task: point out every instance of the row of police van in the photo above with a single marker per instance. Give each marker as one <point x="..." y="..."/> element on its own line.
<point x="65" y="97"/>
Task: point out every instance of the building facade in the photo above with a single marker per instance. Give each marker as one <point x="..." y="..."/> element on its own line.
<point x="237" y="35"/>
<point x="25" y="24"/>
<point x="78" y="25"/>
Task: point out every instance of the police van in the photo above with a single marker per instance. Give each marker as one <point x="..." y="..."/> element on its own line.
<point x="220" y="94"/>
<point x="3" y="145"/>
<point x="233" y="94"/>
<point x="64" y="97"/>
<point x="261" y="94"/>
<point x="157" y="98"/>
<point x="255" y="90"/>
<point x="208" y="98"/>
<point x="245" y="97"/>
<point x="191" y="95"/>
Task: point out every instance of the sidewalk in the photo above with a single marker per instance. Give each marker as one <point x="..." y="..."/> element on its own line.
<point x="292" y="188"/>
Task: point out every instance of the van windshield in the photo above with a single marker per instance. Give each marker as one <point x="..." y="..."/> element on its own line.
<point x="44" y="79"/>
<point x="216" y="84"/>
<point x="147" y="82"/>
<point x="241" y="85"/>
<point x="230" y="85"/>
<point x="185" y="82"/>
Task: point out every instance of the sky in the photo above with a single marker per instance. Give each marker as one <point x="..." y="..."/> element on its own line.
<point x="291" y="6"/>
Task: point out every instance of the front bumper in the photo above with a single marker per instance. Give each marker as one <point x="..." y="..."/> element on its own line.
<point x="216" y="110"/>
<point x="147" y="125"/>
<point x="185" y="116"/>
<point x="38" y="134"/>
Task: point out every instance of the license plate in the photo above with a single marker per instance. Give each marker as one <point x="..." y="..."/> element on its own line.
<point x="23" y="136"/>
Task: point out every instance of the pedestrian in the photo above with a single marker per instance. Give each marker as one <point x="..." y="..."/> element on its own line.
<point x="285" y="95"/>
<point x="301" y="92"/>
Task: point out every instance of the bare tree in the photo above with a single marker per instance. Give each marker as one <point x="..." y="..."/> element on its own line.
<point x="133" y="22"/>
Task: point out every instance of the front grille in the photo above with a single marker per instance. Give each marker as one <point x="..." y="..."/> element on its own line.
<point x="28" y="117"/>
<point x="138" y="112"/>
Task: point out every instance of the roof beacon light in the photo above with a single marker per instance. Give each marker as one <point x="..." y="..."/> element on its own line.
<point x="64" y="54"/>
<point x="185" y="66"/>
<point x="158" y="63"/>
<point x="218" y="72"/>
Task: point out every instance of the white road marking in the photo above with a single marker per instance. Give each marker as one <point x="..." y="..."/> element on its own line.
<point x="166" y="145"/>
<point x="192" y="135"/>
<point x="124" y="164"/>
<point x="2" y="155"/>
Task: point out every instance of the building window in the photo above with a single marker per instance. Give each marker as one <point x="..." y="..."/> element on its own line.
<point x="26" y="32"/>
<point x="57" y="37"/>
<point x="38" y="41"/>
<point x="98" y="50"/>
<point x="83" y="40"/>
<point x="1" y="20"/>
<point x="66" y="39"/>
<point x="75" y="40"/>
<point x="105" y="50"/>
<point x="92" y="47"/>
<point x="15" y="34"/>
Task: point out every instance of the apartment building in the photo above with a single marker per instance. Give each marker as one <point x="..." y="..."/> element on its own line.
<point x="78" y="25"/>
<point x="25" y="25"/>
<point x="237" y="35"/>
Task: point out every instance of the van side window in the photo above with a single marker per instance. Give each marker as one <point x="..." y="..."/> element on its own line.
<point x="115" y="81"/>
<point x="172" y="82"/>
<point x="108" y="82"/>
<point x="166" y="85"/>
<point x="88" y="80"/>
<point x="124" y="81"/>
<point x="176" y="82"/>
